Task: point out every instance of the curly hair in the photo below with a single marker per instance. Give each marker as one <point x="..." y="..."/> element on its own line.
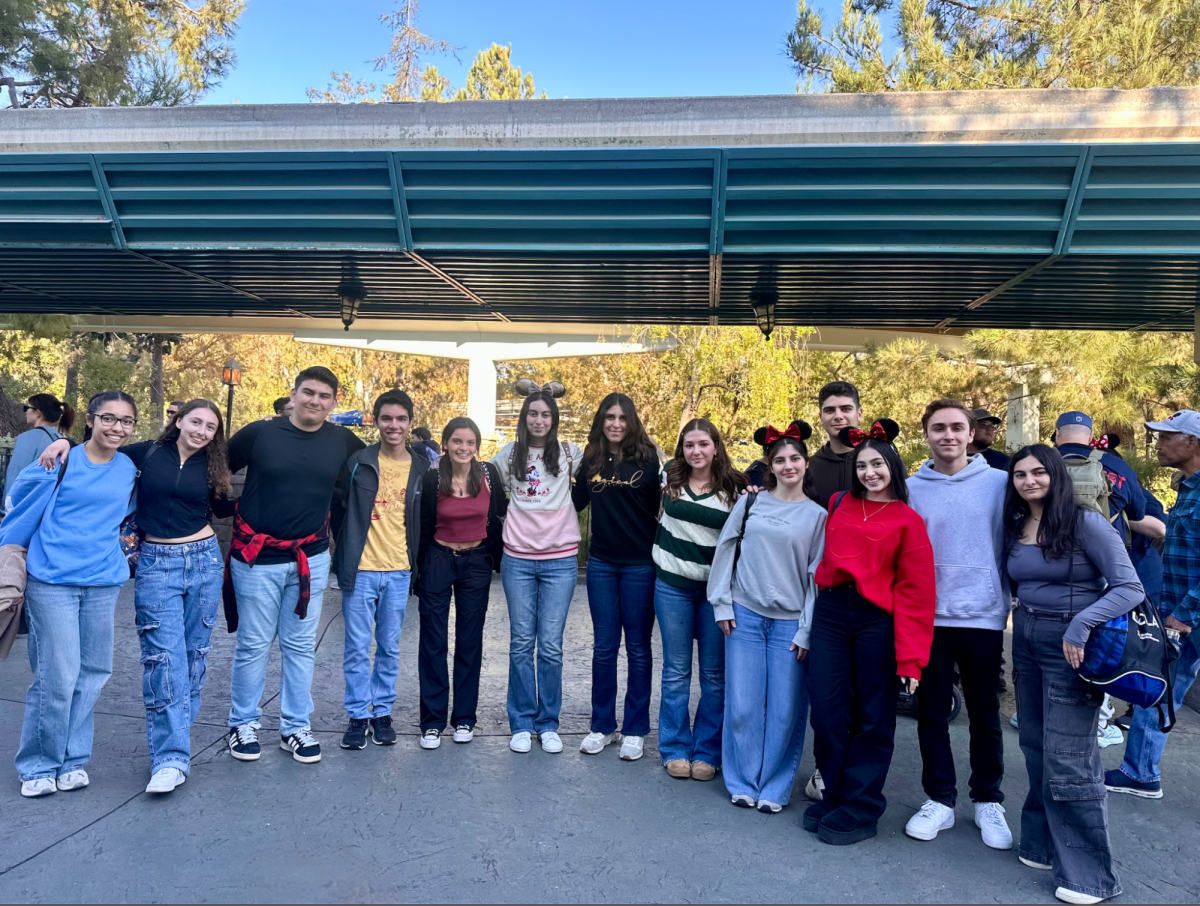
<point x="728" y="482"/>
<point x="219" y="478"/>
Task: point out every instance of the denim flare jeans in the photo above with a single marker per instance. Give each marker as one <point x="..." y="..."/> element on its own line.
<point x="176" y="594"/>
<point x="621" y="599"/>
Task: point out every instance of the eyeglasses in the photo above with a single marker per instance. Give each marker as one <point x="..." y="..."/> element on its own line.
<point x="110" y="420"/>
<point x="26" y="408"/>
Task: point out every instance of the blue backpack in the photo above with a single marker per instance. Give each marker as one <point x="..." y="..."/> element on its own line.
<point x="1129" y="657"/>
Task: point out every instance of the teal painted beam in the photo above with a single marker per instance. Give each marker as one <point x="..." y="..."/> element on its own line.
<point x="110" y="208"/>
<point x="1083" y="169"/>
<point x="400" y="203"/>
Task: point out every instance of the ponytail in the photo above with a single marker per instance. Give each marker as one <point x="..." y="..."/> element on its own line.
<point x="67" y="419"/>
<point x="56" y="413"/>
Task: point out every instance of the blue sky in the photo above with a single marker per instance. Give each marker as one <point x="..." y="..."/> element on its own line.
<point x="622" y="48"/>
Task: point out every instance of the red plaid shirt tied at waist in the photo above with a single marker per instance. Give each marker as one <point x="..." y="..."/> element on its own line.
<point x="250" y="544"/>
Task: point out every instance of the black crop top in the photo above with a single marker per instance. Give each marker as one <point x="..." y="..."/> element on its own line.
<point x="173" y="501"/>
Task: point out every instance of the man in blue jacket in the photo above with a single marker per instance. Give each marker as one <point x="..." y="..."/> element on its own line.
<point x="1127" y="500"/>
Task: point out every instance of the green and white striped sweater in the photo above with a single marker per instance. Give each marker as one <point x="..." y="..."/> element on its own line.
<point x="687" y="538"/>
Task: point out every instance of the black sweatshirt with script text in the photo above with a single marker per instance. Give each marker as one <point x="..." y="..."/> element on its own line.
<point x="624" y="510"/>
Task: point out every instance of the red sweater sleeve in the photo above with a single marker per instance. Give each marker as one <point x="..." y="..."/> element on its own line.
<point x="914" y="598"/>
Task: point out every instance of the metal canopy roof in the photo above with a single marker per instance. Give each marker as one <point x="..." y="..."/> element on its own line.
<point x="884" y="232"/>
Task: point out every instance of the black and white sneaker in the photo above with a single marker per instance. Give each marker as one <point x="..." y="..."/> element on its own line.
<point x="382" y="732"/>
<point x="355" y="736"/>
<point x="302" y="745"/>
<point x="243" y="743"/>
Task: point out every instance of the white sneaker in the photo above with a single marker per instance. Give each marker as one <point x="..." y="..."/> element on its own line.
<point x="165" y="780"/>
<point x="932" y="818"/>
<point x="1110" y="736"/>
<point x="73" y="780"/>
<point x="43" y="786"/>
<point x="815" y="788"/>
<point x="1074" y="896"/>
<point x="431" y="739"/>
<point x="463" y="733"/>
<point x="521" y="742"/>
<point x="594" y="743"/>
<point x="1040" y="866"/>
<point x="631" y="748"/>
<point x="989" y="818"/>
<point x="551" y="742"/>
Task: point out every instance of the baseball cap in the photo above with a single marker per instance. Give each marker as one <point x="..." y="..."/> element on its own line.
<point x="1074" y="418"/>
<point x="1185" y="421"/>
<point x="982" y="415"/>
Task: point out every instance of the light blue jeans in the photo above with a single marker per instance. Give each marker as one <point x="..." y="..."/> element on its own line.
<point x="267" y="595"/>
<point x="539" y="596"/>
<point x="1144" y="748"/>
<point x="766" y="708"/>
<point x="377" y="603"/>
<point x="71" y="655"/>
<point x="683" y="616"/>
<point x="176" y="595"/>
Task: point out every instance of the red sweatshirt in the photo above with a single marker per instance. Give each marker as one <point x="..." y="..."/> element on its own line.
<point x="889" y="559"/>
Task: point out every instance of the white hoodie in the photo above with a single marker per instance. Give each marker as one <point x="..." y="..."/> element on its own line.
<point x="963" y="515"/>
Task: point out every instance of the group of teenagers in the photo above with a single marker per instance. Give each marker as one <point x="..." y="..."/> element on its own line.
<point x="811" y="589"/>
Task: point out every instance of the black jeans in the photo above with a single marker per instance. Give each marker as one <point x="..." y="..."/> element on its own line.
<point x="852" y="689"/>
<point x="978" y="653"/>
<point x="1065" y="819"/>
<point x="468" y="574"/>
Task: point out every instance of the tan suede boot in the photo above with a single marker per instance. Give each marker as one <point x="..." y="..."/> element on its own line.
<point x="679" y="769"/>
<point x="702" y="770"/>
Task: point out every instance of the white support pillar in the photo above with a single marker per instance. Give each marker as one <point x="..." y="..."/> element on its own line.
<point x="481" y="391"/>
<point x="1024" y="426"/>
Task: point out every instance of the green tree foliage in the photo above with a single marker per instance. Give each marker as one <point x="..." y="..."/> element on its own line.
<point x="493" y="77"/>
<point x="957" y="44"/>
<point x="97" y="53"/>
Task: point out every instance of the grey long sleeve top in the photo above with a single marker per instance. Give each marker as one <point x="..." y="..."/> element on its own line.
<point x="1102" y="581"/>
<point x="783" y="545"/>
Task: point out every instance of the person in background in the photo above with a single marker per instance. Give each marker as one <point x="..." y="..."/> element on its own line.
<point x="1127" y="500"/>
<point x="1071" y="573"/>
<point x="48" y="420"/>
<point x="425" y="444"/>
<point x="462" y="515"/>
<point x="284" y="406"/>
<point x="700" y="488"/>
<point x="762" y="589"/>
<point x="961" y="499"/>
<point x="69" y="520"/>
<point x="756" y="475"/>
<point x="374" y="560"/>
<point x="540" y="568"/>
<point x="278" y="561"/>
<point x="1177" y="445"/>
<point x="620" y="480"/>
<point x="830" y="471"/>
<point x="986" y="426"/>
<point x="872" y="623"/>
<point x="172" y="410"/>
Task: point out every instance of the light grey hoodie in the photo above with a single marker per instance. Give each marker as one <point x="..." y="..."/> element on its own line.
<point x="963" y="515"/>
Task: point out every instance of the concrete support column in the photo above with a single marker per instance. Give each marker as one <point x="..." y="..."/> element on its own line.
<point x="1024" y="426"/>
<point x="481" y="392"/>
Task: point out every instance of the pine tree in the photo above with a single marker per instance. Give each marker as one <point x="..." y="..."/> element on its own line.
<point x="493" y="77"/>
<point x="957" y="44"/>
<point x="97" y="53"/>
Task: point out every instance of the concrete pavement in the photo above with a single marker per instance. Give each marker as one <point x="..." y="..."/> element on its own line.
<point x="478" y="823"/>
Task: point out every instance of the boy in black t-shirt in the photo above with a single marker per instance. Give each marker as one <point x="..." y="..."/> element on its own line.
<point x="279" y="560"/>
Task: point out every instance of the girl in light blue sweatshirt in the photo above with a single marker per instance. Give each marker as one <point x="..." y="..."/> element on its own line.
<point x="70" y="521"/>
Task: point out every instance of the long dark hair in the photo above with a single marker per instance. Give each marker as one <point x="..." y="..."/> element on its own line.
<point x="728" y="482"/>
<point x="475" y="479"/>
<point x="56" y="413"/>
<point x="1060" y="510"/>
<point x="553" y="450"/>
<point x="636" y="446"/>
<point x="106" y="396"/>
<point x="218" y="455"/>
<point x="886" y="449"/>
<point x="769" y="451"/>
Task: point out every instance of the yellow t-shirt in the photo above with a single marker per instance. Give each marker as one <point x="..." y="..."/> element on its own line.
<point x="387" y="541"/>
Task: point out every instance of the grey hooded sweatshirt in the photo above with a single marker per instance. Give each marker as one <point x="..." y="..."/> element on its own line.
<point x="963" y="515"/>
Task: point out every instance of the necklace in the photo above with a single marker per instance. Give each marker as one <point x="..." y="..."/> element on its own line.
<point x="876" y="513"/>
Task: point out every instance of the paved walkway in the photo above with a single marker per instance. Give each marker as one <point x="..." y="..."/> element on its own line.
<point x="478" y="823"/>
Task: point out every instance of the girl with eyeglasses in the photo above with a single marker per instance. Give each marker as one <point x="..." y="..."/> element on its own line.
<point x="69" y="520"/>
<point x="48" y="420"/>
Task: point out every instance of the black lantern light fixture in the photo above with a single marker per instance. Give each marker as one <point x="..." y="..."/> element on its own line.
<point x="231" y="376"/>
<point x="763" y="302"/>
<point x="351" y="292"/>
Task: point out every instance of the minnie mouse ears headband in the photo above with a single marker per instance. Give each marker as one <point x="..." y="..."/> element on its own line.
<point x="883" y="429"/>
<point x="527" y="387"/>
<point x="798" y="430"/>
<point x="1106" y="442"/>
